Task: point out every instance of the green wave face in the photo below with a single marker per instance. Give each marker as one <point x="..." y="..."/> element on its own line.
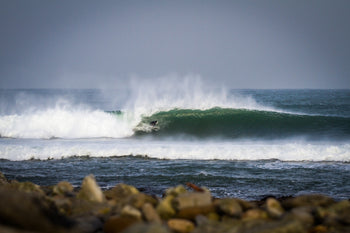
<point x="241" y="123"/>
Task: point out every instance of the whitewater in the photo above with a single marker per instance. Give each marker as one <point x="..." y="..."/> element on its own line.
<point x="194" y="122"/>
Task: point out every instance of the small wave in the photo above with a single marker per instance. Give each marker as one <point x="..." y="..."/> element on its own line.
<point x="283" y="150"/>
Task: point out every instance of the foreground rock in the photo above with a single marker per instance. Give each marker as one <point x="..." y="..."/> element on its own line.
<point x="29" y="208"/>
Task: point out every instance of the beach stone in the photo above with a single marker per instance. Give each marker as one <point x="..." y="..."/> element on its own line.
<point x="216" y="227"/>
<point x="229" y="207"/>
<point x="146" y="228"/>
<point x="62" y="188"/>
<point x="319" y="229"/>
<point x="87" y="224"/>
<point x="165" y="208"/>
<point x="150" y="213"/>
<point x="64" y="205"/>
<point x="192" y="212"/>
<point x="274" y="208"/>
<point x="27" y="187"/>
<point x="255" y="214"/>
<point x="132" y="212"/>
<point x="342" y="211"/>
<point x="82" y="207"/>
<point x="6" y="229"/>
<point x="246" y="205"/>
<point x="118" y="224"/>
<point x="139" y="199"/>
<point x="180" y="225"/>
<point x="336" y="213"/>
<point x="30" y="211"/>
<point x="308" y="200"/>
<point x="192" y="199"/>
<point x="175" y="191"/>
<point x="286" y="226"/>
<point x="213" y="216"/>
<point x="303" y="215"/>
<point x="3" y="179"/>
<point x="90" y="190"/>
<point x="201" y="219"/>
<point x="120" y="192"/>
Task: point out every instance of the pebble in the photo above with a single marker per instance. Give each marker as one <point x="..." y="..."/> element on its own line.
<point x="180" y="225"/>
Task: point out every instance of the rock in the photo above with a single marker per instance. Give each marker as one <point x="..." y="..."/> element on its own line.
<point x="308" y="200"/>
<point x="255" y="214"/>
<point x="285" y="226"/>
<point x="30" y="211"/>
<point x="3" y="179"/>
<point x="118" y="224"/>
<point x="245" y="204"/>
<point x="303" y="215"/>
<point x="216" y="227"/>
<point x="132" y="212"/>
<point x="319" y="229"/>
<point x="90" y="191"/>
<point x="274" y="208"/>
<point x="201" y="220"/>
<point x="180" y="225"/>
<point x="139" y="199"/>
<point x="229" y="207"/>
<point x="192" y="212"/>
<point x="62" y="188"/>
<point x="192" y="199"/>
<point x="180" y="189"/>
<point x="120" y="192"/>
<point x="6" y="229"/>
<point x="150" y="213"/>
<point x="213" y="216"/>
<point x="165" y="208"/>
<point x="81" y="207"/>
<point x="88" y="224"/>
<point x="146" y="228"/>
<point x="27" y="187"/>
<point x="64" y="205"/>
<point x="334" y="214"/>
<point x="342" y="211"/>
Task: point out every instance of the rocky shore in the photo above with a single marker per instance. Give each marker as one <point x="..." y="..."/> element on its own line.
<point x="28" y="208"/>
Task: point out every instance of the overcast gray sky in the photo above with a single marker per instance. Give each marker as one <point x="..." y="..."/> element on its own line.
<point x="238" y="44"/>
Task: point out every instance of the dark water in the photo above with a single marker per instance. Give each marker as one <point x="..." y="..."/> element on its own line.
<point x="251" y="180"/>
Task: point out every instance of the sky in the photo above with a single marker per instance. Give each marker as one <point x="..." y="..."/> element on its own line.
<point x="237" y="44"/>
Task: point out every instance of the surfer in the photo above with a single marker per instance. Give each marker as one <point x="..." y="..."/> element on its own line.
<point x="153" y="123"/>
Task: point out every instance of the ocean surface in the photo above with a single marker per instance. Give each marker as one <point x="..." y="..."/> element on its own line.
<point x="237" y="143"/>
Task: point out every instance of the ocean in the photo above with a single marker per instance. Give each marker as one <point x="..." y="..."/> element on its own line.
<point x="238" y="143"/>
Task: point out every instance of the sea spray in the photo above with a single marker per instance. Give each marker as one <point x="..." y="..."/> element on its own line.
<point x="39" y="115"/>
<point x="188" y="92"/>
